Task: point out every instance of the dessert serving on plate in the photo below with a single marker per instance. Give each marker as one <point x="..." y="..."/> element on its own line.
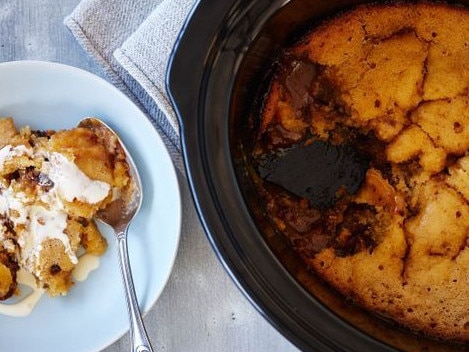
<point x="392" y="81"/>
<point x="52" y="183"/>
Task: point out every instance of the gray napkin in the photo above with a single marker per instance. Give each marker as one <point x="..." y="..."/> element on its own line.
<point x="132" y="41"/>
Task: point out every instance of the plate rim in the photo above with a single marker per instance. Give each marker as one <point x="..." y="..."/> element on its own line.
<point x="92" y="78"/>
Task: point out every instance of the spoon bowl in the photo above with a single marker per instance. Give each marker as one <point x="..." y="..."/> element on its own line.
<point x="118" y="214"/>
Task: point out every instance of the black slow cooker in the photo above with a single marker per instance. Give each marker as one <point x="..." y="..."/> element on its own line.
<point x="216" y="70"/>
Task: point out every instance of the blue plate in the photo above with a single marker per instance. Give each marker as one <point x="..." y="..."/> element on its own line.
<point x="93" y="315"/>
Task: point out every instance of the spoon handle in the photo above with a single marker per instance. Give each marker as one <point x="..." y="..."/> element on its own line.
<point x="140" y="341"/>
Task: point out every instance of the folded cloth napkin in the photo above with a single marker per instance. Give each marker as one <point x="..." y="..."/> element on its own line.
<point x="132" y="41"/>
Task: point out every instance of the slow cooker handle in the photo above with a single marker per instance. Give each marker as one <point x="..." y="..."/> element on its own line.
<point x="186" y="63"/>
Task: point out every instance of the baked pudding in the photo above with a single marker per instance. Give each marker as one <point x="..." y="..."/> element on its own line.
<point x="52" y="183"/>
<point x="392" y="81"/>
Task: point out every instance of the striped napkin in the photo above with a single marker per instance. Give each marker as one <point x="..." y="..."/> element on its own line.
<point x="132" y="41"/>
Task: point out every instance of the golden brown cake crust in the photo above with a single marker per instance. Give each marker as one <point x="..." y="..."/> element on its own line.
<point x="398" y="73"/>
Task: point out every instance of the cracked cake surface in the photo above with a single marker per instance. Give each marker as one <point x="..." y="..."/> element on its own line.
<point x="392" y="80"/>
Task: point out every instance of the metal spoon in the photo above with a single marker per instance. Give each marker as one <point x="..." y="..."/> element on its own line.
<point x="118" y="214"/>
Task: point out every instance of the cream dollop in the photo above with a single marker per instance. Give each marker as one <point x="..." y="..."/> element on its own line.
<point x="23" y="306"/>
<point x="9" y="151"/>
<point x="45" y="217"/>
<point x="71" y="183"/>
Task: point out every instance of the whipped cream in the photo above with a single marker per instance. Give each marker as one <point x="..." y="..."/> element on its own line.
<point x="8" y="152"/>
<point x="71" y="183"/>
<point x="24" y="305"/>
<point x="42" y="216"/>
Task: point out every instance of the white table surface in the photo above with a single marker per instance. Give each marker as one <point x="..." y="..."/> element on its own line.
<point x="200" y="309"/>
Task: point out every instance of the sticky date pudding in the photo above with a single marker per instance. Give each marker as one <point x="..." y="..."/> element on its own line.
<point x="392" y="82"/>
<point x="52" y="183"/>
